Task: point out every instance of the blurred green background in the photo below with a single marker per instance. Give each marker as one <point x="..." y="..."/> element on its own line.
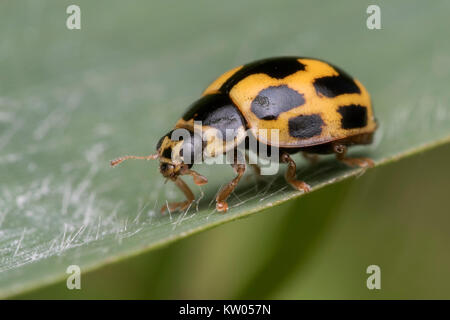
<point x="72" y="100"/>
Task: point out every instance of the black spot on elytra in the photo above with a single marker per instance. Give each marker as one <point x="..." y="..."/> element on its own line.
<point x="277" y="68"/>
<point x="305" y="126"/>
<point x="333" y="86"/>
<point x="217" y="111"/>
<point x="272" y="101"/>
<point x="353" y="116"/>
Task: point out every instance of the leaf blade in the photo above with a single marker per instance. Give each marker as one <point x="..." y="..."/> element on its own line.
<point x="62" y="205"/>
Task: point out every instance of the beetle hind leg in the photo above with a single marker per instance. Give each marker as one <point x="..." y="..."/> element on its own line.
<point x="291" y="174"/>
<point x="341" y="151"/>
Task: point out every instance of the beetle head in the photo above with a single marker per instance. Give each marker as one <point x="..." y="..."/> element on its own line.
<point x="177" y="152"/>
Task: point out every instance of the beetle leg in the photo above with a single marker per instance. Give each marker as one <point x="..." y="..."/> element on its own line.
<point x="224" y="193"/>
<point x="198" y="178"/>
<point x="291" y="174"/>
<point x="183" y="205"/>
<point x="341" y="150"/>
<point x="311" y="157"/>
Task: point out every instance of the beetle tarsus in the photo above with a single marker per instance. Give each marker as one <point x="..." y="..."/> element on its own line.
<point x="341" y="151"/>
<point x="222" y="206"/>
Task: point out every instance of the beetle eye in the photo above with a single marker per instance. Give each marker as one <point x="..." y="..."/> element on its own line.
<point x="164" y="167"/>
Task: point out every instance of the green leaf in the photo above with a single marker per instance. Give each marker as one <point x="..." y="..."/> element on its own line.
<point x="72" y="100"/>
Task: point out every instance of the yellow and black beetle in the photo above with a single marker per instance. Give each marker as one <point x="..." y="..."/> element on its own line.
<point x="317" y="108"/>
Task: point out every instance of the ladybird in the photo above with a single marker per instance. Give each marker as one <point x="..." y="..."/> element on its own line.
<point x="316" y="107"/>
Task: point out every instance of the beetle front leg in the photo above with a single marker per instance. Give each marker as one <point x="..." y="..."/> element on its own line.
<point x="341" y="150"/>
<point x="224" y="193"/>
<point x="198" y="178"/>
<point x="291" y="174"/>
<point x="183" y="205"/>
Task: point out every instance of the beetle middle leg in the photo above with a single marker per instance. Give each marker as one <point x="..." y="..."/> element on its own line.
<point x="341" y="151"/>
<point x="224" y="193"/>
<point x="291" y="174"/>
<point x="183" y="205"/>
